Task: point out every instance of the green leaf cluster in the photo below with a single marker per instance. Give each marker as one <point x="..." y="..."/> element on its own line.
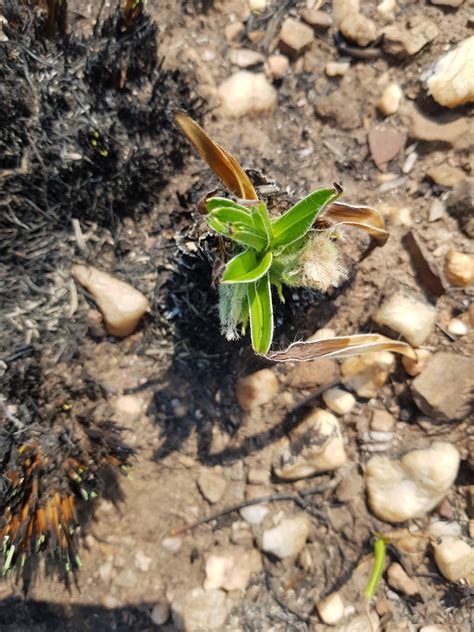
<point x="265" y="250"/>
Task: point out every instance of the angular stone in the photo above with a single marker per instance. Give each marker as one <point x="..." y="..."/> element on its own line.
<point x="455" y="560"/>
<point x="446" y="175"/>
<point x="390" y="100"/>
<point x="382" y="421"/>
<point x="409" y="315"/>
<point x="357" y="28"/>
<point x="241" y="533"/>
<point x="316" y="445"/>
<point x="337" y="68"/>
<point x="288" y="537"/>
<point x="361" y="623"/>
<point x="403" y="42"/>
<point x="459" y="268"/>
<point x="128" y="408"/>
<point x="122" y="306"/>
<point x="400" y="581"/>
<point x="409" y="487"/>
<point x="331" y="608"/>
<point x="452" y="82"/>
<point x="295" y="37"/>
<point x="212" y="485"/>
<point x="160" y="613"/>
<point x="245" y="57"/>
<point x="341" y="8"/>
<point x="313" y="373"/>
<point x="256" y="389"/>
<point x="437" y="210"/>
<point x="444" y="389"/>
<point x="385" y="144"/>
<point x="258" y="476"/>
<point x="254" y="514"/>
<point x="233" y="31"/>
<point x="350" y="487"/>
<point x="258" y="5"/>
<point x="231" y="568"/>
<point x="246" y="93"/>
<point x="200" y="609"/>
<point x="339" y="400"/>
<point x="367" y="374"/>
<point x="317" y="19"/>
<point x="321" y="334"/>
<point x="277" y="66"/>
<point x="387" y="9"/>
<point x="457" y="327"/>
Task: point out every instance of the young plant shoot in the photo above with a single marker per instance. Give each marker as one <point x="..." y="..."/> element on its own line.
<point x="298" y="249"/>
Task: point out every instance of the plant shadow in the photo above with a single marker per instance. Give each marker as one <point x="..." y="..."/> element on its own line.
<point x="197" y="392"/>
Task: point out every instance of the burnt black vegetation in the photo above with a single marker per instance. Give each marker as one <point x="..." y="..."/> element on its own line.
<point x="86" y="135"/>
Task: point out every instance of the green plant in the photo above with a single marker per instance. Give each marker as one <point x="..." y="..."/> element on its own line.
<point x="298" y="248"/>
<point x="380" y="546"/>
<point x="270" y="251"/>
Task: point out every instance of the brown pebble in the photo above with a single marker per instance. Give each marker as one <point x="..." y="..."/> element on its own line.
<point x="384" y="144"/>
<point x="382" y="421"/>
<point x="444" y="509"/>
<point x="256" y="389"/>
<point x="313" y="373"/>
<point x="350" y="487"/>
<point x="295" y="37"/>
<point x="317" y="19"/>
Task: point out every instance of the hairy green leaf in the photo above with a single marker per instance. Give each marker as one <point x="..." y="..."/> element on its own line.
<point x="261" y="314"/>
<point x="245" y="267"/>
<point x="297" y="221"/>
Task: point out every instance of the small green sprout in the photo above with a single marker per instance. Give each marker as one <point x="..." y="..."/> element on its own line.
<point x="380" y="546"/>
<point x="9" y="558"/>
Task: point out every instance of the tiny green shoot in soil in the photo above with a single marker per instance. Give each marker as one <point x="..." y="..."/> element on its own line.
<point x="380" y="546"/>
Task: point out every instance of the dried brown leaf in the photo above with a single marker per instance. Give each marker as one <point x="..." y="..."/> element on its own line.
<point x="340" y="346"/>
<point x="224" y="165"/>
<point x="362" y="217"/>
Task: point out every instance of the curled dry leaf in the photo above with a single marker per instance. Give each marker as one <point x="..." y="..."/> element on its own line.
<point x="224" y="165"/>
<point x="340" y="346"/>
<point x="363" y="217"/>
